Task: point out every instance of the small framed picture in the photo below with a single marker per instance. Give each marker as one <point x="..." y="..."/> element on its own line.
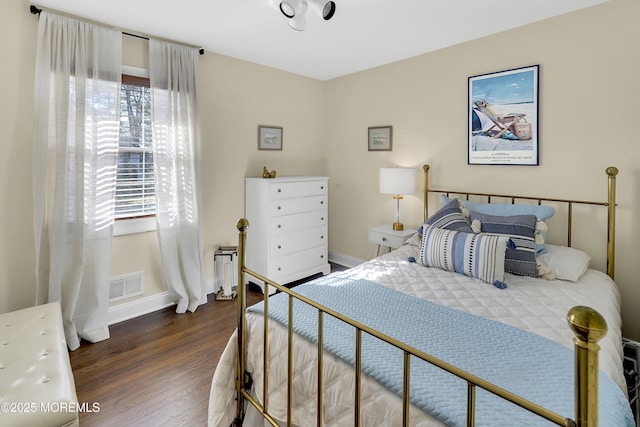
<point x="269" y="138"/>
<point x="380" y="138"/>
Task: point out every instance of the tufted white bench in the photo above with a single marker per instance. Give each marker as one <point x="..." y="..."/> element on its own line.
<point x="36" y="381"/>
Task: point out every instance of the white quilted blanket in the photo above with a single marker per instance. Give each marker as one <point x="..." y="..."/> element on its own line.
<point x="532" y="304"/>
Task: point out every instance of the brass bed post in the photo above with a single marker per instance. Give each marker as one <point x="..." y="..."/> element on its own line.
<point x="589" y="327"/>
<point x="425" y="187"/>
<point x="242" y="226"/>
<point x="611" y="218"/>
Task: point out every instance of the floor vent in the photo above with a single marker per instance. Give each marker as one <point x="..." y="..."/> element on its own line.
<point x="126" y="286"/>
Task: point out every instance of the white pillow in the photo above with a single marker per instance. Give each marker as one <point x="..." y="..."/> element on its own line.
<point x="567" y="263"/>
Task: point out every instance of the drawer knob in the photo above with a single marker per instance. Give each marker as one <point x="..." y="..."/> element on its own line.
<point x="279" y="268"/>
<point x="279" y="226"/>
<point x="322" y="219"/>
<point x="279" y="247"/>
<point x="322" y="187"/>
<point x="321" y="237"/>
<point x="279" y="207"/>
<point x="384" y="239"/>
<point x="279" y="190"/>
<point x="322" y="202"/>
<point x="321" y="256"/>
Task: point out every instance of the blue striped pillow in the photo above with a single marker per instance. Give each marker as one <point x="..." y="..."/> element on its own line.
<point x="449" y="217"/>
<point x="520" y="257"/>
<point x="474" y="255"/>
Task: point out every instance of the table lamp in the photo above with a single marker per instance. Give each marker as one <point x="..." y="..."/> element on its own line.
<point x="397" y="181"/>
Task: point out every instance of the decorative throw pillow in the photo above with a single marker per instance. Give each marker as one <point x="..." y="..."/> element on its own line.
<point x="475" y="255"/>
<point x="450" y="217"/>
<point x="520" y="256"/>
<point x="511" y="209"/>
<point x="541" y="212"/>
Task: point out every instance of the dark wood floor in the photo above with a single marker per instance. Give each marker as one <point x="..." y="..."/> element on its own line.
<point x="156" y="369"/>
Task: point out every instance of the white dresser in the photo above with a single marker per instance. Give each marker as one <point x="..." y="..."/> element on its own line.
<point x="287" y="238"/>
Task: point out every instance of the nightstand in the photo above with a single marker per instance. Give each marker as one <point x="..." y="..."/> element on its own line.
<point x="385" y="235"/>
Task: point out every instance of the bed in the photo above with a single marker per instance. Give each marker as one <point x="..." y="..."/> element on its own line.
<point x="431" y="341"/>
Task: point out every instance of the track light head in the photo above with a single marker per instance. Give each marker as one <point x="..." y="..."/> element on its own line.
<point x="300" y="19"/>
<point x="287" y="9"/>
<point x="295" y="11"/>
<point x="328" y="10"/>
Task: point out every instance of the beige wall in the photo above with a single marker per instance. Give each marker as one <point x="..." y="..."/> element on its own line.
<point x="17" y="258"/>
<point x="236" y="96"/>
<point x="589" y="88"/>
<point x="588" y="92"/>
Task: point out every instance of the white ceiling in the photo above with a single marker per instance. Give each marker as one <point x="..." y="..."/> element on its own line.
<point x="363" y="33"/>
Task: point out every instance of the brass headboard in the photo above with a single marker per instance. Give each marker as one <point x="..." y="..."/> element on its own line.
<point x="610" y="204"/>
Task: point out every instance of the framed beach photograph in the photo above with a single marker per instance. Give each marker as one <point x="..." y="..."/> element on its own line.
<point x="380" y="138"/>
<point x="503" y="117"/>
<point x="269" y="138"/>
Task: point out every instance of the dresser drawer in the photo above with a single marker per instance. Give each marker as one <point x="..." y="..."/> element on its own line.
<point x="288" y="236"/>
<point x="298" y="205"/>
<point x="285" y="267"/>
<point x="385" y="239"/>
<point x="297" y="222"/>
<point x="298" y="241"/>
<point x="282" y="190"/>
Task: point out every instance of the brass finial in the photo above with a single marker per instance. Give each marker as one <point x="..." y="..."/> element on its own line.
<point x="242" y="224"/>
<point x="587" y="323"/>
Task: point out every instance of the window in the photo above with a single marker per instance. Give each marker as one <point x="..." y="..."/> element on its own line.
<point x="135" y="187"/>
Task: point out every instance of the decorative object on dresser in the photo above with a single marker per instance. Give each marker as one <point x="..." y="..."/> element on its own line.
<point x="380" y="138"/>
<point x="397" y="181"/>
<point x="288" y="217"/>
<point x="270" y="138"/>
<point x="385" y="235"/>
<point x="267" y="174"/>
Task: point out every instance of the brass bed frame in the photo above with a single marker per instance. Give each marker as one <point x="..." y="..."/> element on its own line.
<point x="587" y="324"/>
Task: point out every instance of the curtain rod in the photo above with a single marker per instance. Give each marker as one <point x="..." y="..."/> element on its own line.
<point x="36" y="11"/>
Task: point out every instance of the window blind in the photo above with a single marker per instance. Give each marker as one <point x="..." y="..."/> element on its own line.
<point x="135" y="187"/>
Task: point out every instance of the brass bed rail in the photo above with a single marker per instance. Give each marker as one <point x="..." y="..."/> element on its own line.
<point x="610" y="204"/>
<point x="587" y="324"/>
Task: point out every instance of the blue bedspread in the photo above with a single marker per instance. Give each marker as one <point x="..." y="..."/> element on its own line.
<point x="527" y="364"/>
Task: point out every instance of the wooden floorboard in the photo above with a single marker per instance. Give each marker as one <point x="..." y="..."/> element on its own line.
<point x="156" y="369"/>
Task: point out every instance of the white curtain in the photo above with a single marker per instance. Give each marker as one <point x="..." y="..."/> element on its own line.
<point x="77" y="80"/>
<point x="173" y="71"/>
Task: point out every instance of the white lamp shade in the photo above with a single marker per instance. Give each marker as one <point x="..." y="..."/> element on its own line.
<point x="397" y="181"/>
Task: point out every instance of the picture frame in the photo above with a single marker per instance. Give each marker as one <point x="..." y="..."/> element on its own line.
<point x="503" y="117"/>
<point x="270" y="138"/>
<point x="380" y="138"/>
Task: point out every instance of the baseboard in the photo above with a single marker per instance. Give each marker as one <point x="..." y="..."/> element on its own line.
<point x="209" y="286"/>
<point x="138" y="307"/>
<point x="145" y="305"/>
<point x="345" y="260"/>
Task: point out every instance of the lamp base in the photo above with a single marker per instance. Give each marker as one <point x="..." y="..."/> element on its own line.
<point x="397" y="226"/>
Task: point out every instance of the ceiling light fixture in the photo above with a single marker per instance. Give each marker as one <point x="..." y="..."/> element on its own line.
<point x="296" y="10"/>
